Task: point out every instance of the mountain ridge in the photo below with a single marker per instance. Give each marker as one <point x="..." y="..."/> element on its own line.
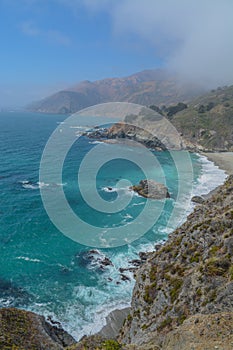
<point x="145" y="87"/>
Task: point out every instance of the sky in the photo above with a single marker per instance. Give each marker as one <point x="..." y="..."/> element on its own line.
<point x="49" y="45"/>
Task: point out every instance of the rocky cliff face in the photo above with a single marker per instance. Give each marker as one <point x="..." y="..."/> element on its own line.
<point x="22" y="330"/>
<point x="191" y="275"/>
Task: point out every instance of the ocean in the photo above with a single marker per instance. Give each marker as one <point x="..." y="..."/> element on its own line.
<point x="45" y="271"/>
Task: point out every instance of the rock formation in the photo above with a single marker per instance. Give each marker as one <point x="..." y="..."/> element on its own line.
<point x="189" y="278"/>
<point x="23" y="330"/>
<point x="151" y="189"/>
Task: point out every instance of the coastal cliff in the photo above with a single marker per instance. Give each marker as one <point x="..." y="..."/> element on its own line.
<point x="24" y="330"/>
<point x="183" y="295"/>
<point x="185" y="289"/>
<point x="205" y="125"/>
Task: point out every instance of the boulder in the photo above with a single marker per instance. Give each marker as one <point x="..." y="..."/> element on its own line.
<point x="151" y="189"/>
<point x="198" y="199"/>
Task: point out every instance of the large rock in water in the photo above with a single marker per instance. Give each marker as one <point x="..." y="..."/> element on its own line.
<point x="20" y="329"/>
<point x="151" y="189"/>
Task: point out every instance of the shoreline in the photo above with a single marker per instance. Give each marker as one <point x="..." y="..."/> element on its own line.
<point x="224" y="160"/>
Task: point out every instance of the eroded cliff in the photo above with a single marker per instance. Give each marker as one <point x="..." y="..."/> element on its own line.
<point x="190" y="276"/>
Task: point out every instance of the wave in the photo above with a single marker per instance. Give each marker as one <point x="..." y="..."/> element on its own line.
<point x="120" y="190"/>
<point x="30" y="186"/>
<point x="96" y="142"/>
<point x="27" y="184"/>
<point x="136" y="204"/>
<point x="211" y="177"/>
<point x="25" y="258"/>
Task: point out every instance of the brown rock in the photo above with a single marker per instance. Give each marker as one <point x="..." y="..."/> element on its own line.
<point x="151" y="189"/>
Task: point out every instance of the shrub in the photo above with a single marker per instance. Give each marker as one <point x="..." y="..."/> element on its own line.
<point x="111" y="345"/>
<point x="217" y="266"/>
<point x="165" y="323"/>
<point x="195" y="257"/>
<point x="176" y="286"/>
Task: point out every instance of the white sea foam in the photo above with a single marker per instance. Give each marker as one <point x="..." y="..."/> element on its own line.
<point x="6" y="302"/>
<point x="120" y="190"/>
<point x="136" y="204"/>
<point x="86" y="311"/>
<point x="37" y="185"/>
<point x="212" y="176"/>
<point x="42" y="184"/>
<point x="109" y="189"/>
<point x="25" y="258"/>
<point x="128" y="216"/>
<point x="96" y="142"/>
<point x="80" y="127"/>
<point x="30" y="186"/>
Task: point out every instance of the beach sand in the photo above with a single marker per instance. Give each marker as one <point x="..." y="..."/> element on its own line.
<point x="224" y="160"/>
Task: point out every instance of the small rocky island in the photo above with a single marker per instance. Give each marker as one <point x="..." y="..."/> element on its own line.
<point x="151" y="189"/>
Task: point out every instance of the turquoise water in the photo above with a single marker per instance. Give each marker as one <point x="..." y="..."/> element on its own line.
<point x="44" y="271"/>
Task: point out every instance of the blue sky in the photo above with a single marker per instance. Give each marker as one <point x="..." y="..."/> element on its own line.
<point x="47" y="45"/>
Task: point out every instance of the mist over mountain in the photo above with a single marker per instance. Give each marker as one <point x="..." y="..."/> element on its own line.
<point x="147" y="87"/>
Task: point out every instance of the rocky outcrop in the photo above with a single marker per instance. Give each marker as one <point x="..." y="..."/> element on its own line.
<point x="190" y="275"/>
<point x="198" y="199"/>
<point x="25" y="330"/>
<point x="126" y="131"/>
<point x="151" y="189"/>
<point x="143" y="126"/>
<point x="94" y="259"/>
<point x="202" y="332"/>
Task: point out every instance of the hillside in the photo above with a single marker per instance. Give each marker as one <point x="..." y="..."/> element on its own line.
<point x="184" y="292"/>
<point x="207" y="123"/>
<point x="146" y="87"/>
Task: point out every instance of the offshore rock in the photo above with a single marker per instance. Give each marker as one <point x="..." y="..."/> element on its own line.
<point x="151" y="189"/>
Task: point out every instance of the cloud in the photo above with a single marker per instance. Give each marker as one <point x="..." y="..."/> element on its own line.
<point x="29" y="28"/>
<point x="193" y="37"/>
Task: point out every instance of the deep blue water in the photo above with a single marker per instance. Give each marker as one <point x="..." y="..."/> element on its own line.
<point x="43" y="270"/>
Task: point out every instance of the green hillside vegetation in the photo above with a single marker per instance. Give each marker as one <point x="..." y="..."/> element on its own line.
<point x="208" y="121"/>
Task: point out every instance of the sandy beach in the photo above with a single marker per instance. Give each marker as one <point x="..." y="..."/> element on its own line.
<point x="224" y="160"/>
